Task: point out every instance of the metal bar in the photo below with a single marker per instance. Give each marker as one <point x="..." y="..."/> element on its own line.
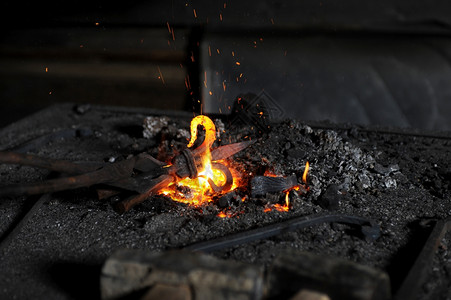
<point x="226" y="151"/>
<point x="56" y="165"/>
<point x="383" y="130"/>
<point x="153" y="185"/>
<point x="417" y="273"/>
<point x="8" y="237"/>
<point x="109" y="173"/>
<point x="276" y="229"/>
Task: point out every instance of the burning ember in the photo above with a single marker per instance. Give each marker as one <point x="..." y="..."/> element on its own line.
<point x="213" y="177"/>
<point x="286" y="206"/>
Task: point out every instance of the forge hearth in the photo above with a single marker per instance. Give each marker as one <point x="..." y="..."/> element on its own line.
<point x="397" y="180"/>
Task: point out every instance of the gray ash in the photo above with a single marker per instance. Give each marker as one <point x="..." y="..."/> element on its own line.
<point x="289" y="145"/>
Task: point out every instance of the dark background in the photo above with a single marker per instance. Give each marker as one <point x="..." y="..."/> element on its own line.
<point x="378" y="63"/>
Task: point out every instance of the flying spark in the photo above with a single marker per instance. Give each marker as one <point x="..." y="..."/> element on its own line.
<point x="161" y="75"/>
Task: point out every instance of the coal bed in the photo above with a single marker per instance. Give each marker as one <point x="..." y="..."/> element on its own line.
<point x="54" y="246"/>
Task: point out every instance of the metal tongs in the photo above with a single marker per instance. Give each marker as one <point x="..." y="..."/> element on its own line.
<point x="142" y="174"/>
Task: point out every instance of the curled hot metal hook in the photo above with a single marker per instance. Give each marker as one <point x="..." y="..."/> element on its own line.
<point x="210" y="131"/>
<point x="228" y="178"/>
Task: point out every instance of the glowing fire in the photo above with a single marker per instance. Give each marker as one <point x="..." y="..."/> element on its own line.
<point x="286" y="206"/>
<point x="229" y="214"/>
<point x="222" y="215"/>
<point x="212" y="178"/>
<point x="198" y="191"/>
<point x="304" y="176"/>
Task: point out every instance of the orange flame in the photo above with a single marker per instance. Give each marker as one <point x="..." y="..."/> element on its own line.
<point x="279" y="207"/>
<point x="286" y="206"/>
<point x="304" y="176"/>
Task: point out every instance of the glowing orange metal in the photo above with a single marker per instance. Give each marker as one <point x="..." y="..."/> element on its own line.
<point x="210" y="130"/>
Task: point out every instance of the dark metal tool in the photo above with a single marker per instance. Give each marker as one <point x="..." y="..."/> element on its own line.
<point x="368" y="228"/>
<point x="142" y="173"/>
<point x="418" y="271"/>
<point x="85" y="175"/>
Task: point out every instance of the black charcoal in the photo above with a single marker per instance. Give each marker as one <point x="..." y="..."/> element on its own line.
<point x="260" y="185"/>
<point x="331" y="197"/>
